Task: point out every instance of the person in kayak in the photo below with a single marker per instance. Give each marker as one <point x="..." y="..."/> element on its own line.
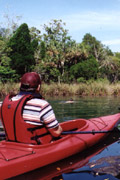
<point x="27" y="117"/>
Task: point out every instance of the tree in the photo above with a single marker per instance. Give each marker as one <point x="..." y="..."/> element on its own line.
<point x="86" y="69"/>
<point x="36" y="39"/>
<point x="6" y="73"/>
<point x="10" y="24"/>
<point x="22" y="53"/>
<point x="117" y="55"/>
<point x="110" y="68"/>
<point x="95" y="47"/>
<point x="42" y="50"/>
<point x="57" y="44"/>
<point x="75" y="54"/>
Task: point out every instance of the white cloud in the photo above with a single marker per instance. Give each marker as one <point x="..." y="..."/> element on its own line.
<point x="112" y="42"/>
<point x="92" y="20"/>
<point x="84" y="20"/>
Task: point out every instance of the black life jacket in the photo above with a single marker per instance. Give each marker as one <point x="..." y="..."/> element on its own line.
<point x="16" y="129"/>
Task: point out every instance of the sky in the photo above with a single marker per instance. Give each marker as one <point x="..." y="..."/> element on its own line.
<point x="100" y="18"/>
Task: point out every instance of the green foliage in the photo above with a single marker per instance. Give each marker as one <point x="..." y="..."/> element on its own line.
<point x="57" y="43"/>
<point x="95" y="47"/>
<point x="81" y="80"/>
<point x="87" y="69"/>
<point x="55" y="55"/>
<point x="6" y="73"/>
<point x="117" y="55"/>
<point x="48" y="72"/>
<point x="54" y="74"/>
<point x="22" y="53"/>
<point x="42" y="50"/>
<point x="35" y="34"/>
<point x="110" y="68"/>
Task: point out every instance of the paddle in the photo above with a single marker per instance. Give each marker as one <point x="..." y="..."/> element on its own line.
<point x="2" y="135"/>
<point x="88" y="132"/>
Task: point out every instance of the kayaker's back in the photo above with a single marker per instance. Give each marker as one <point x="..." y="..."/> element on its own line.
<point x="19" y="129"/>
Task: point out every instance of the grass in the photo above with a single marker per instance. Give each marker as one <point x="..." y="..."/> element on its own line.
<point x="8" y="88"/>
<point x="80" y="89"/>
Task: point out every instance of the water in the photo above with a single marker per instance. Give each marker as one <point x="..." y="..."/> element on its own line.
<point x="86" y="107"/>
<point x="84" y="165"/>
<point x="89" y="107"/>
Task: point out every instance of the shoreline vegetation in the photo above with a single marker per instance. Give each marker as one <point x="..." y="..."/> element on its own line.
<point x="74" y="89"/>
<point x="86" y="68"/>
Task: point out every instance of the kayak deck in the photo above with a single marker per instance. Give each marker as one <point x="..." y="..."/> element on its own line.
<point x="9" y="153"/>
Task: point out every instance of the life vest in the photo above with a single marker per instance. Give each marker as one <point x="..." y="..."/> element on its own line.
<point x="16" y="129"/>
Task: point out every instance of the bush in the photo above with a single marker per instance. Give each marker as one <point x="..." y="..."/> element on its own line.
<point x="87" y="69"/>
<point x="81" y="80"/>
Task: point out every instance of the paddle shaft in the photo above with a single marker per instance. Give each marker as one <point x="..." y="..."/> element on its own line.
<point x="86" y="132"/>
<point x="2" y="134"/>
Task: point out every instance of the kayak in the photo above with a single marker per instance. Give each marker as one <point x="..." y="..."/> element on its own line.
<point x="72" y="164"/>
<point x="18" y="158"/>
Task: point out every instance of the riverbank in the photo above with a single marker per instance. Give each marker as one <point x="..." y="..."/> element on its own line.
<point x="79" y="89"/>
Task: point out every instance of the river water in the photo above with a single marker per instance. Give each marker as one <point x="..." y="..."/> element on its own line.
<point x="84" y="107"/>
<point x="89" y="107"/>
<point x="101" y="162"/>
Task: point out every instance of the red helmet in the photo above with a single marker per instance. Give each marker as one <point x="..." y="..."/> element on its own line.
<point x="30" y="81"/>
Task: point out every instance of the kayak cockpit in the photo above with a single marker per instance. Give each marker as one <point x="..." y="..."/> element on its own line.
<point x="74" y="125"/>
<point x="71" y="125"/>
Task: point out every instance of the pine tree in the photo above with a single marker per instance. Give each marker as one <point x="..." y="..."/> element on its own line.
<point x="22" y="54"/>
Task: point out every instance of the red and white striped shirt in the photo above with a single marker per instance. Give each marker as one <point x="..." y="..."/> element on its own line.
<point x="38" y="111"/>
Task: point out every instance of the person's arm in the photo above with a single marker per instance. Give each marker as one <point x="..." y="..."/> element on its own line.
<point x="50" y="121"/>
<point x="56" y="132"/>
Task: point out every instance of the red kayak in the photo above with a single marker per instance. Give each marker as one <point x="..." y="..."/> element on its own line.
<point x="67" y="165"/>
<point x="80" y="134"/>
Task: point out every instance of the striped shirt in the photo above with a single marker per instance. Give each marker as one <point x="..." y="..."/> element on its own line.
<point x="38" y="111"/>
